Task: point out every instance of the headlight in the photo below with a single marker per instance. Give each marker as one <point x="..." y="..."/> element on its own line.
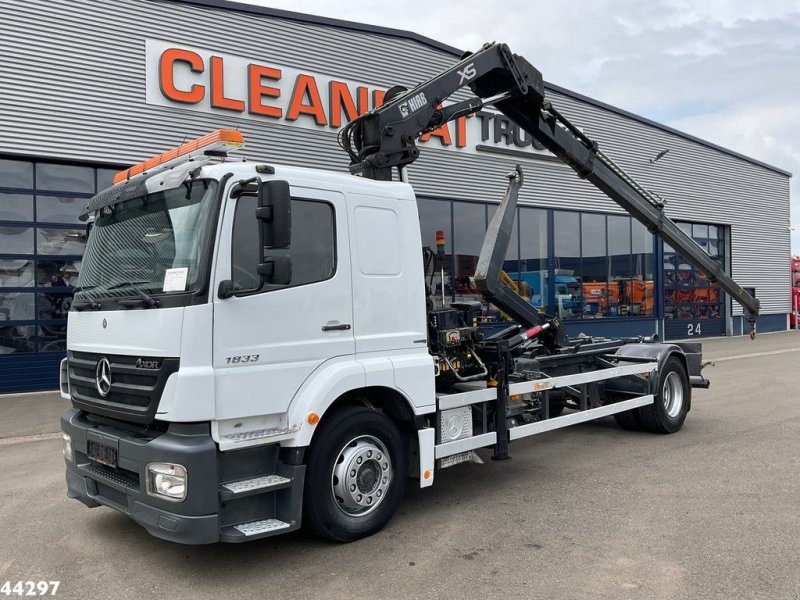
<point x="66" y="446"/>
<point x="167" y="481"/>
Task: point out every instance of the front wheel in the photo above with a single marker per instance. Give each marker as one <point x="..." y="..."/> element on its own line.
<point x="668" y="411"/>
<point x="355" y="475"/>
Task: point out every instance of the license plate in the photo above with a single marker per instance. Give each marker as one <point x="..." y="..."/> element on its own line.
<point x="105" y="455"/>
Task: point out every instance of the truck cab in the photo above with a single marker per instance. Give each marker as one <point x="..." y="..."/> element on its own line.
<point x="188" y="368"/>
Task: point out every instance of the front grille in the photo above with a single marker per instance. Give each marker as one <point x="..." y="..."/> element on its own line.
<point x="134" y="394"/>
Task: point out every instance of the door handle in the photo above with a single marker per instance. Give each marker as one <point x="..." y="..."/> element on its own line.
<point x="336" y="327"/>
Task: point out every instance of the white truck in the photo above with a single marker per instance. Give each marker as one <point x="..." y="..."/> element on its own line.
<point x="252" y="345"/>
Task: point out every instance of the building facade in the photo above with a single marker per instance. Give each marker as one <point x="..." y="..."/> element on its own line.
<point x="90" y="87"/>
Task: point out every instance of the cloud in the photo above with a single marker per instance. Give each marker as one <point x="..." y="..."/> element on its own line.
<point x="723" y="70"/>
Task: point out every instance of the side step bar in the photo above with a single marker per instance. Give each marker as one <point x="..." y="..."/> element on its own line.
<point x="254" y="485"/>
<point x="521" y="431"/>
<point x="262" y="528"/>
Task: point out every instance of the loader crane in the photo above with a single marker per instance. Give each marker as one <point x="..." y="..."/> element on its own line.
<point x="385" y="138"/>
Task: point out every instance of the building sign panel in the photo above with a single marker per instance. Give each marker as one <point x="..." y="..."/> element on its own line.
<point x="180" y="76"/>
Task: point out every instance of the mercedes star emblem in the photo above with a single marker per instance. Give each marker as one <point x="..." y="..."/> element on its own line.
<point x="103" y="377"/>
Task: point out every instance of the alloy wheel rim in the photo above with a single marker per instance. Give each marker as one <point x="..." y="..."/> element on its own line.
<point x="361" y="476"/>
<point x="672" y="394"/>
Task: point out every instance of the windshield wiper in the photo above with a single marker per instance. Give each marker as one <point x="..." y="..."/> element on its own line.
<point x="145" y="299"/>
<point x="88" y="303"/>
<point x="122" y="284"/>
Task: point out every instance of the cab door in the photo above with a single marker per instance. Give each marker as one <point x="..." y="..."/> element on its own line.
<point x="269" y="338"/>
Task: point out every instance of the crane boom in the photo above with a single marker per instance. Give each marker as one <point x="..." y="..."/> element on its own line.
<point x="385" y="138"/>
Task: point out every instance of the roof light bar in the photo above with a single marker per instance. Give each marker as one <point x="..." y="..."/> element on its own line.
<point x="221" y="140"/>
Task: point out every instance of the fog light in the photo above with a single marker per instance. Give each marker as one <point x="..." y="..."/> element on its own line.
<point x="66" y="447"/>
<point x="167" y="481"/>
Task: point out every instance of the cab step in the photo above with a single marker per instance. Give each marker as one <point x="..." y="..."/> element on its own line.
<point x="264" y="526"/>
<point x="255" y="529"/>
<point x="254" y="485"/>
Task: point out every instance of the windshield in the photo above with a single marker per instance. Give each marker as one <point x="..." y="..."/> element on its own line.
<point x="153" y="243"/>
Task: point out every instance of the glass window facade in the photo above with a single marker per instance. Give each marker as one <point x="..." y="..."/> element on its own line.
<point x="437" y="216"/>
<point x="688" y="294"/>
<point x="41" y="244"/>
<point x="576" y="265"/>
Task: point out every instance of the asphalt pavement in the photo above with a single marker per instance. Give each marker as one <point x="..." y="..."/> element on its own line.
<point x="588" y="512"/>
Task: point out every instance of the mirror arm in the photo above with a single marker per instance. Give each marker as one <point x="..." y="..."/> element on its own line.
<point x="264" y="213"/>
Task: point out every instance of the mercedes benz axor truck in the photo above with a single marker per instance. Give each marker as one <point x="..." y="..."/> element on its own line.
<point x="254" y="346"/>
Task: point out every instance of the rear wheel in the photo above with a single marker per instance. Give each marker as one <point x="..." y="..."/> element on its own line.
<point x="668" y="411"/>
<point x="355" y="475"/>
<point x="628" y="420"/>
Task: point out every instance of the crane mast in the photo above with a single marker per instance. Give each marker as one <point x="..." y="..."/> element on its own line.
<point x="385" y="138"/>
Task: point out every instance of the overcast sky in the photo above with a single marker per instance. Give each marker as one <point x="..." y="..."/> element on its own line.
<point x="725" y="71"/>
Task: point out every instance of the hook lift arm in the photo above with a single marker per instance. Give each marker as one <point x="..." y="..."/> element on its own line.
<point x="385" y="138"/>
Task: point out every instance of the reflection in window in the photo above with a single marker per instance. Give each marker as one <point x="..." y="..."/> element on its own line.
<point x="688" y="293"/>
<point x="16" y="306"/>
<point x="594" y="266"/>
<point x="434" y="215"/>
<point x="620" y="291"/>
<point x="51" y="240"/>
<point x="533" y="255"/>
<point x="54" y="304"/>
<point x="603" y="265"/>
<point x="36" y="277"/>
<point x="16" y="207"/>
<point x="52" y="338"/>
<point x="510" y="276"/>
<point x="16" y="272"/>
<point x="59" y="209"/>
<point x="105" y="178"/>
<point x="16" y="174"/>
<point x="17" y="338"/>
<point x="567" y="288"/>
<point x="641" y="294"/>
<point x="469" y="231"/>
<point x="16" y="239"/>
<point x="64" y="178"/>
<point x="57" y="273"/>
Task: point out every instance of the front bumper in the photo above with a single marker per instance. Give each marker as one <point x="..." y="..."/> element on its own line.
<point x="210" y="513"/>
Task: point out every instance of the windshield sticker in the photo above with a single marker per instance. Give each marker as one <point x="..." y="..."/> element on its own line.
<point x="175" y="279"/>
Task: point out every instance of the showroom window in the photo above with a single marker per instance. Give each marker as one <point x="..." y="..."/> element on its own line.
<point x="435" y="216"/>
<point x="526" y="259"/>
<point x="602" y="266"/>
<point x="41" y="244"/>
<point x="688" y="293"/>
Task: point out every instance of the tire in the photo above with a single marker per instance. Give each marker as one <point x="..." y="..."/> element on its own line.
<point x="628" y="420"/>
<point x="668" y="412"/>
<point x="348" y="494"/>
<point x="556" y="407"/>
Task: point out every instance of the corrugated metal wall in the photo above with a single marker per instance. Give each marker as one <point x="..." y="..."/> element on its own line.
<point x="73" y="87"/>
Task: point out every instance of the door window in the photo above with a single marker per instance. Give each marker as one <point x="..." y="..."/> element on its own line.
<point x="312" y="248"/>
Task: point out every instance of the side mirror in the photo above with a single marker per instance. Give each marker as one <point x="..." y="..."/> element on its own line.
<point x="275" y="214"/>
<point x="276" y="269"/>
